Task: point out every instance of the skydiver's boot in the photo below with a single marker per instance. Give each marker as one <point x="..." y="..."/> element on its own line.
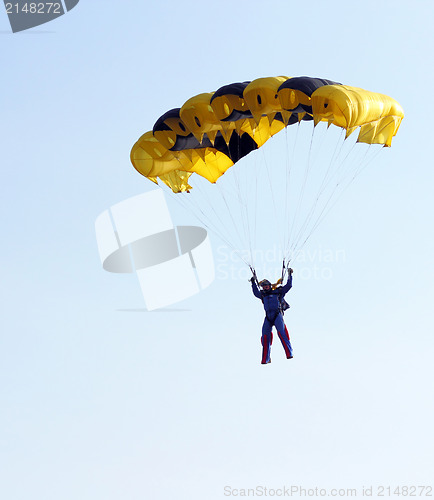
<point x="266" y="341"/>
<point x="284" y="338"/>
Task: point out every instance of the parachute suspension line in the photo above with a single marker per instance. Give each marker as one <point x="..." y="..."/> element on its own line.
<point x="288" y="248"/>
<point x="360" y="166"/>
<point x="283" y="270"/>
<point x="236" y="195"/>
<point x="203" y="219"/>
<point x="182" y="198"/>
<point x="340" y="165"/>
<point x="212" y="208"/>
<point x="287" y="167"/>
<point x="240" y="205"/>
<point x="291" y="161"/>
<point x="245" y="220"/>
<point x="256" y="168"/>
<point x="238" y="235"/>
<point x="363" y="163"/>
<point x="237" y="232"/>
<point x="255" y="209"/>
<point x="328" y="176"/>
<point x="207" y="221"/>
<point x="276" y="216"/>
<point x="305" y="233"/>
<point x="324" y="213"/>
<point x="287" y="177"/>
<point x="336" y="152"/>
<point x="254" y="275"/>
<point x="302" y="190"/>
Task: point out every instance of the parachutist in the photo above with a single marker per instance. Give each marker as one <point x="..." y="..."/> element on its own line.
<point x="272" y="297"/>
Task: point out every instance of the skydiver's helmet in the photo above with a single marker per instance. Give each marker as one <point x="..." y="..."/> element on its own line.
<point x="265" y="285"/>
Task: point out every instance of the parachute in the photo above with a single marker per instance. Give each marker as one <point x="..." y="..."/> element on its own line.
<point x="211" y="132"/>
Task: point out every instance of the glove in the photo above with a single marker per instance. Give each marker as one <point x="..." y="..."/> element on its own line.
<point x="252" y="279"/>
<point x="290" y="270"/>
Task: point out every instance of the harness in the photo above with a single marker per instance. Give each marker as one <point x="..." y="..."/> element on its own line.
<point x="283" y="306"/>
<point x="272" y="319"/>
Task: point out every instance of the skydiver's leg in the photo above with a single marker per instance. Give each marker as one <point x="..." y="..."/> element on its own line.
<point x="266" y="340"/>
<point x="282" y="331"/>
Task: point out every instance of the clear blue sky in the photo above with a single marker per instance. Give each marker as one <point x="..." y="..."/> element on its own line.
<point x="102" y="400"/>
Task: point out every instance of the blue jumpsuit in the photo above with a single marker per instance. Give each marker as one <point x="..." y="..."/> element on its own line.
<point x="273" y="316"/>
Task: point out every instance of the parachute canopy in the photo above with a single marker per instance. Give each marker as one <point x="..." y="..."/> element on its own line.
<point x="210" y="132"/>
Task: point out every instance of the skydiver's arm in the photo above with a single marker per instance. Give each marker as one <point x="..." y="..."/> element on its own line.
<point x="255" y="290"/>
<point x="288" y="285"/>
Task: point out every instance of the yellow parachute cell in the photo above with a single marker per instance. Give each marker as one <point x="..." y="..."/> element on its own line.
<point x="212" y="131"/>
<point x="378" y="115"/>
